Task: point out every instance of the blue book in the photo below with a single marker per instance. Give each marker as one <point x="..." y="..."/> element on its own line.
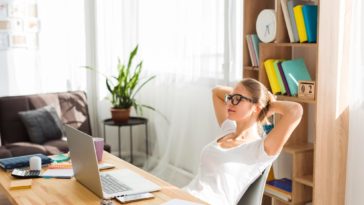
<point x="295" y="70"/>
<point x="255" y="41"/>
<point x="22" y="161"/>
<point x="284" y="184"/>
<point x="310" y="18"/>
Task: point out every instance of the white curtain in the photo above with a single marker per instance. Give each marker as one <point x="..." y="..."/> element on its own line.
<point x="55" y="65"/>
<point x="355" y="171"/>
<point x="183" y="43"/>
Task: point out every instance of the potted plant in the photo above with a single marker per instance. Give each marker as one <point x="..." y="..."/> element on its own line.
<point x="124" y="86"/>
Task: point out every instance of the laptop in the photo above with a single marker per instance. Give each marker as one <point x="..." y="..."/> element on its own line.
<point x="106" y="185"/>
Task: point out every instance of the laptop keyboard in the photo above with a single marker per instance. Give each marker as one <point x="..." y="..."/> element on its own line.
<point x="111" y="185"/>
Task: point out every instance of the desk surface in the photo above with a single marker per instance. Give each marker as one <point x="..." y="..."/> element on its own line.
<point x="69" y="191"/>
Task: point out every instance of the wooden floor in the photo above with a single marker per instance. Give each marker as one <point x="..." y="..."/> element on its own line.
<point x="4" y="200"/>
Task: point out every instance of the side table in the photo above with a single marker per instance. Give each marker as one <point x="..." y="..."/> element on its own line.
<point x="131" y="122"/>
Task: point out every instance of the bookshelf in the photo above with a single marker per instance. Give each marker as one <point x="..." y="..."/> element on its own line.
<point x="300" y="146"/>
<point x="318" y="147"/>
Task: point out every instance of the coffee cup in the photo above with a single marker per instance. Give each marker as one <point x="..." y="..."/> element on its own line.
<point x="99" y="147"/>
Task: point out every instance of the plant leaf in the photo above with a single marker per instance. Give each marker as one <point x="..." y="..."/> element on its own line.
<point x="145" y="82"/>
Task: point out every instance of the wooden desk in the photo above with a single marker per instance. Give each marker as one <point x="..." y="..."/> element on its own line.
<point x="69" y="191"/>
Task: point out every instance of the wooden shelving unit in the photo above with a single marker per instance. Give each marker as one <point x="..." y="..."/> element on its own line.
<point x="300" y="146"/>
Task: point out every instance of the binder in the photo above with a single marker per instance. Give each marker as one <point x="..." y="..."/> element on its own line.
<point x="279" y="77"/>
<point x="279" y="64"/>
<point x="310" y="18"/>
<point x="295" y="70"/>
<point x="272" y="77"/>
<point x="301" y="28"/>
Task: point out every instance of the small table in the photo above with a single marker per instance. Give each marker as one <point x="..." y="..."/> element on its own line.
<point x="131" y="122"/>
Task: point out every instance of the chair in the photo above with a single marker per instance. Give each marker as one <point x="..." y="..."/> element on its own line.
<point x="254" y="194"/>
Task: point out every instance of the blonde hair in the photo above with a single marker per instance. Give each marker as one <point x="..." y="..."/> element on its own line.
<point x="259" y="94"/>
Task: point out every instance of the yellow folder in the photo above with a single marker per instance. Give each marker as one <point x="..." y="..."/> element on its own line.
<point x="300" y="22"/>
<point x="272" y="77"/>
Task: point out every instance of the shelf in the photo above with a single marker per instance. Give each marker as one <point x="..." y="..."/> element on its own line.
<point x="306" y="45"/>
<point x="295" y="99"/>
<point x="306" y="180"/>
<point x="277" y="198"/>
<point x="251" y="68"/>
<point x="296" y="148"/>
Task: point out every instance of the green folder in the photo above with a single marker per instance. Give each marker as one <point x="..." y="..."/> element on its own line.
<point x="295" y="70"/>
<point x="279" y="77"/>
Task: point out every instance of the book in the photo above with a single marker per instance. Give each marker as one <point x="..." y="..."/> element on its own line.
<point x="295" y="70"/>
<point x="279" y="77"/>
<point x="58" y="173"/>
<point x="284" y="80"/>
<point x="301" y="28"/>
<point x="281" y="188"/>
<point x="22" y="161"/>
<point x="272" y="78"/>
<point x="251" y="50"/>
<point x="287" y="20"/>
<point x="290" y="5"/>
<point x="310" y="18"/>
<point x="256" y="42"/>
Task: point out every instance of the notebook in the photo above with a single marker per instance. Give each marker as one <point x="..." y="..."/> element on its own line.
<point x="22" y="161"/>
<point x="295" y="70"/>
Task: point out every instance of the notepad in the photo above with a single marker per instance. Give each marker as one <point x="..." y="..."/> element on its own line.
<point x="58" y="173"/>
<point x="21" y="184"/>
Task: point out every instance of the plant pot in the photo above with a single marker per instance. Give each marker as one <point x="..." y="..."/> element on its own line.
<point x="120" y="115"/>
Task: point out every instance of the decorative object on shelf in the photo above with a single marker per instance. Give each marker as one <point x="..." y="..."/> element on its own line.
<point x="123" y="87"/>
<point x="266" y="25"/>
<point x="306" y="89"/>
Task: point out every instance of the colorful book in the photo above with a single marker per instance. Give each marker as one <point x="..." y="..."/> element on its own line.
<point x="295" y="70"/>
<point x="301" y="28"/>
<point x="279" y="64"/>
<point x="310" y="18"/>
<point x="272" y="77"/>
<point x="279" y="77"/>
<point x="281" y="188"/>
<point x="256" y="42"/>
<point x="287" y="19"/>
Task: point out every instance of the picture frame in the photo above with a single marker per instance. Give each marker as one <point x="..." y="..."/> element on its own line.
<point x="17" y="41"/>
<point x="3" y="10"/>
<point x="4" y="41"/>
<point x="306" y="89"/>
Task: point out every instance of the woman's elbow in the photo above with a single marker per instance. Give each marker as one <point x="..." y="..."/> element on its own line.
<point x="297" y="110"/>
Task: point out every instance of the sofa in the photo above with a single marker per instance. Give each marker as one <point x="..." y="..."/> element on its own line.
<point x="71" y="108"/>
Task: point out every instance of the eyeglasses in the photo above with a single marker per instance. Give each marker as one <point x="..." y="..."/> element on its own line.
<point x="237" y="98"/>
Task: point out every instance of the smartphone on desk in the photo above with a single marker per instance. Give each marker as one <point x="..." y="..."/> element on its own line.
<point x="134" y="197"/>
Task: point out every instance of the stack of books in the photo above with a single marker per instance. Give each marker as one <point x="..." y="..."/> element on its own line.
<point x="280" y="188"/>
<point x="301" y="20"/>
<point x="283" y="75"/>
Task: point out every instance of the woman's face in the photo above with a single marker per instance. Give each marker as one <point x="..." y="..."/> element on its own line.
<point x="239" y="105"/>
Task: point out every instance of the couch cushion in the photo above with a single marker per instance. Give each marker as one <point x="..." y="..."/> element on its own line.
<point x="11" y="127"/>
<point x="60" y="144"/>
<point x="25" y="148"/>
<point x="75" y="111"/>
<point x="42" y="124"/>
<point x="4" y="153"/>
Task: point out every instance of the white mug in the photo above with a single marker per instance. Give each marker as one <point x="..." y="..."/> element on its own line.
<point x="35" y="163"/>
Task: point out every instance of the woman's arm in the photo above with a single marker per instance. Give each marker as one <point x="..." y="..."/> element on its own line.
<point x="218" y="94"/>
<point x="291" y="116"/>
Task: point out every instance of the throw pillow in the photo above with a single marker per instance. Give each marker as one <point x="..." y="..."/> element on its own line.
<point x="42" y="124"/>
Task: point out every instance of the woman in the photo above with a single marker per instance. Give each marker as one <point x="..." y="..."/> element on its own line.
<point x="232" y="162"/>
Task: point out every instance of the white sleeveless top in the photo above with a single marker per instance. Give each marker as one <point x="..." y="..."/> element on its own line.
<point x="225" y="174"/>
